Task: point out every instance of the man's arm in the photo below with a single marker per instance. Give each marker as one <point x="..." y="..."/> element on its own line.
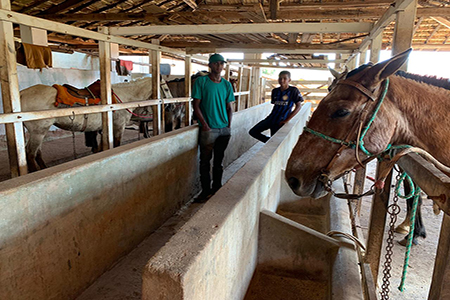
<point x="198" y="114"/>
<point x="298" y="106"/>
<point x="229" y="113"/>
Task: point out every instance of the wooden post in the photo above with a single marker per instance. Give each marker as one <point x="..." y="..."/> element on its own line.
<point x="188" y="87"/>
<point x="362" y="57"/>
<point x="337" y="66"/>
<point x="105" y="90"/>
<point x="239" y="86"/>
<point x="249" y="82"/>
<point x="11" y="97"/>
<point x="227" y="72"/>
<point x="440" y="285"/>
<point x="377" y="224"/>
<point x="404" y="28"/>
<point x="375" y="48"/>
<point x="351" y="64"/>
<point x="358" y="187"/>
<point x="158" y="110"/>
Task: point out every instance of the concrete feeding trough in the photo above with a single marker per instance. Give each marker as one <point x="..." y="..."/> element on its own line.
<point x="245" y="242"/>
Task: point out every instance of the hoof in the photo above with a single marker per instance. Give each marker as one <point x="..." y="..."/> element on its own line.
<point x="402" y="229"/>
<point x="405" y="241"/>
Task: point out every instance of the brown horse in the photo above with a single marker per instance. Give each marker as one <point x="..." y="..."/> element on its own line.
<point x="412" y="113"/>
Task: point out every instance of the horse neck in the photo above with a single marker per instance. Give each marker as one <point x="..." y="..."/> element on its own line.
<point x="421" y="116"/>
<point x="138" y="90"/>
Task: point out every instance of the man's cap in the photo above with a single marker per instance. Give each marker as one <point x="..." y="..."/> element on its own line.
<point x="216" y="57"/>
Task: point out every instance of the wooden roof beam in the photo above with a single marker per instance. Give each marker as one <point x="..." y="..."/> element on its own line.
<point x="244" y="28"/>
<point x="257" y="8"/>
<point x="304" y="6"/>
<point x="384" y="21"/>
<point x="274" y="6"/>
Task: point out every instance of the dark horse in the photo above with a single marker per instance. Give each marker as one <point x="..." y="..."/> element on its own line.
<point x="409" y="110"/>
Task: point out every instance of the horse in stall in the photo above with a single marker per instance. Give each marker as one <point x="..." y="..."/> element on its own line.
<point x="419" y="228"/>
<point x="43" y="97"/>
<point x="410" y="108"/>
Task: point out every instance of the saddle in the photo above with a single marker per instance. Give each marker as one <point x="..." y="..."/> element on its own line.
<point x="71" y="96"/>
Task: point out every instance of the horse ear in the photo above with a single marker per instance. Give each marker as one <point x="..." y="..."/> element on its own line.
<point x="385" y="69"/>
<point x="334" y="72"/>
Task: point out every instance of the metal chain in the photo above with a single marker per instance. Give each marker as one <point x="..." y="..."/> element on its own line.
<point x="72" y="118"/>
<point x="393" y="211"/>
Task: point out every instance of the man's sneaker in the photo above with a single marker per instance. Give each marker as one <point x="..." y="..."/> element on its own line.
<point x="203" y="197"/>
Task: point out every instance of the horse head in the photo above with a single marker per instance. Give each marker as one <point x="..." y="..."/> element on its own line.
<point x="328" y="146"/>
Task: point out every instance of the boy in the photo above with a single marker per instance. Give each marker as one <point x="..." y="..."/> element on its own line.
<point x="283" y="98"/>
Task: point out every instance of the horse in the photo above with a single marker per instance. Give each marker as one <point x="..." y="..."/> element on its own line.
<point x="410" y="108"/>
<point x="403" y="228"/>
<point x="43" y="97"/>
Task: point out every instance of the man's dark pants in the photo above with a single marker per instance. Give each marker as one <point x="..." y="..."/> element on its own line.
<point x="213" y="141"/>
<point x="267" y="123"/>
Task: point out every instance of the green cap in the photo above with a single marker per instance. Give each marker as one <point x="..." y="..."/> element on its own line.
<point x="216" y="57"/>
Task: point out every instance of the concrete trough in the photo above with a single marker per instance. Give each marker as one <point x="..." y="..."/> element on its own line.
<point x="256" y="240"/>
<point x="61" y="228"/>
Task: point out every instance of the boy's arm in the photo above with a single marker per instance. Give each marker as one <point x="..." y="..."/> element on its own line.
<point x="298" y="106"/>
<point x="199" y="115"/>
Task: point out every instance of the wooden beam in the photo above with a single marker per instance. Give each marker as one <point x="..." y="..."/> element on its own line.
<point x="377" y="224"/>
<point x="274" y="6"/>
<point x="385" y="20"/>
<point x="191" y="4"/>
<point x="244" y="28"/>
<point x="288" y="6"/>
<point x="375" y="48"/>
<point x="188" y="88"/>
<point x="294" y="13"/>
<point x="14" y="17"/>
<point x="271" y="61"/>
<point x="11" y="97"/>
<point x="105" y="91"/>
<point x="403" y="31"/>
<point x="440" y="285"/>
<point x="155" y="60"/>
<point x="442" y="21"/>
<point x="259" y="9"/>
<point x="433" y="33"/>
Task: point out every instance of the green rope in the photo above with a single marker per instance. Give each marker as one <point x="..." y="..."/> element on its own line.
<point x="411" y="231"/>
<point x="377" y="108"/>
<point x="329" y="138"/>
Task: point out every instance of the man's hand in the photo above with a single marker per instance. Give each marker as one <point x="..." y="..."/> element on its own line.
<point x="283" y="122"/>
<point x="206" y="127"/>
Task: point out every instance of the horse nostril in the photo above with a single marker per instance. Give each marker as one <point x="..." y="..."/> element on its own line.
<point x="294" y="183"/>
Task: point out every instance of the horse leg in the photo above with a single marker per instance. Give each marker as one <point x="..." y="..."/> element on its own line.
<point x="404" y="227"/>
<point x="419" y="228"/>
<point x="39" y="159"/>
<point x="32" y="148"/>
<point x="90" y="140"/>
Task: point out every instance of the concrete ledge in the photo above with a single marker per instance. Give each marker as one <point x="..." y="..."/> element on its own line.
<point x="213" y="256"/>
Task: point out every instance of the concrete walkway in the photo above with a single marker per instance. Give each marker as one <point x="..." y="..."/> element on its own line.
<point x="124" y="280"/>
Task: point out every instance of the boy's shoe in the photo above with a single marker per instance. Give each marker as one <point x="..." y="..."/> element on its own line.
<point x="203" y="197"/>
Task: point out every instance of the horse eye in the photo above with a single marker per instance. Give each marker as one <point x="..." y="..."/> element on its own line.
<point x="340" y="113"/>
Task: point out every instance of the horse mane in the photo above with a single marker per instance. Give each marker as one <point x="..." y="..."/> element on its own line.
<point x="431" y="80"/>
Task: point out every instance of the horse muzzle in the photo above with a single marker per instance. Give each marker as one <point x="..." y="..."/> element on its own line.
<point x="316" y="189"/>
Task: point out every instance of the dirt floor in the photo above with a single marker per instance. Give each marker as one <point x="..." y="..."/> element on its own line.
<point x="421" y="262"/>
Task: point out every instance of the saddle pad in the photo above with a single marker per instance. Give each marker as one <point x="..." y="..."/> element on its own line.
<point x="64" y="97"/>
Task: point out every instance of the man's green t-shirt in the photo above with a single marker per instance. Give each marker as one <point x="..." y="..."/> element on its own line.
<point x="213" y="100"/>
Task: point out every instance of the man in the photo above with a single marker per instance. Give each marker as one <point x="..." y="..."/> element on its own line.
<point x="283" y="98"/>
<point x="212" y="107"/>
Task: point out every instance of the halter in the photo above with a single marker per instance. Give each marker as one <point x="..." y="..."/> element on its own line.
<point x="357" y="125"/>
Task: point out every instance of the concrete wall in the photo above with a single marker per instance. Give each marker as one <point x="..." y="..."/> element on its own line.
<point x="214" y="255"/>
<point x="63" y="227"/>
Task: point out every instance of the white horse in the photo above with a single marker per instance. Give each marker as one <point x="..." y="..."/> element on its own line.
<point x="42" y="97"/>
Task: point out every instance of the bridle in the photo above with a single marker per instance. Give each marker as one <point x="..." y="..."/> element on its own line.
<point x="358" y="126"/>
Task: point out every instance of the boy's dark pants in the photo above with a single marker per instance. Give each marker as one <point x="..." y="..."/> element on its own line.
<point x="267" y="123"/>
<point x="213" y="141"/>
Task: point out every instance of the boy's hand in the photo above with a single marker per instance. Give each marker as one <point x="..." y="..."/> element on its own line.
<point x="283" y="122"/>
